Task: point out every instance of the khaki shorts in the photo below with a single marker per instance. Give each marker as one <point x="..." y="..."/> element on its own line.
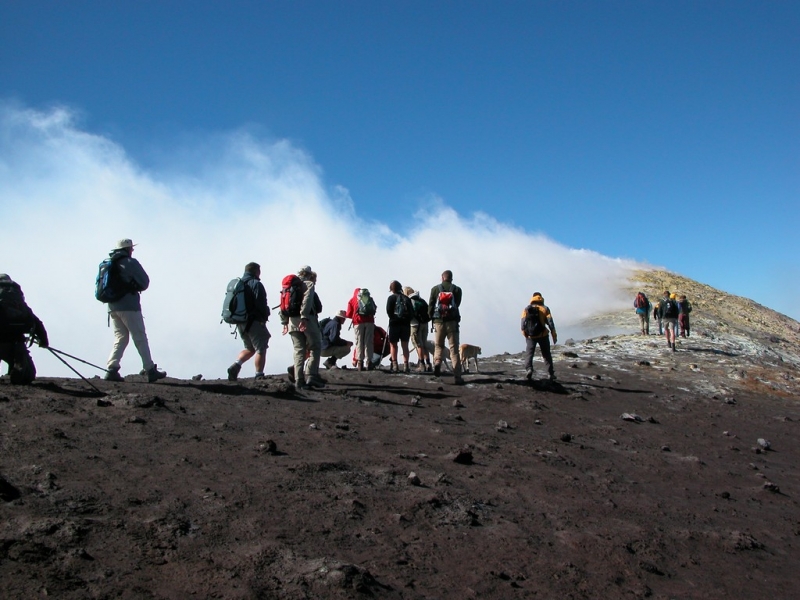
<point x="256" y="339"/>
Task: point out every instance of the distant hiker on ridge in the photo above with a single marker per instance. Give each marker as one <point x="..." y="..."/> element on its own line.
<point x="253" y="330"/>
<point x="642" y="306"/>
<point x="443" y="309"/>
<point x="16" y="321"/>
<point x="536" y="325"/>
<point x="128" y="277"/>
<point x="684" y="307"/>
<point x="669" y="313"/>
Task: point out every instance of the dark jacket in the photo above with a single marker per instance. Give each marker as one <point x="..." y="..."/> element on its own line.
<point x="132" y="274"/>
<point x="331" y="334"/>
<point x="258" y="309"/>
<point x="16" y="317"/>
<point x="433" y="302"/>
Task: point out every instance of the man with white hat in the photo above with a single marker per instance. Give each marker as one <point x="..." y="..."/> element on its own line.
<point x="333" y="346"/>
<point x="126" y="313"/>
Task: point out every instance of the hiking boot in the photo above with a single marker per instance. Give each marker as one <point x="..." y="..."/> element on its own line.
<point x="315" y="382"/>
<point x="429" y="368"/>
<point x="260" y="376"/>
<point x="290" y="371"/>
<point x="393" y="366"/>
<point x="360" y="366"/>
<point x="330" y="363"/>
<point x="113" y="375"/>
<point x="673" y="346"/>
<point x="406" y="368"/>
<point x="529" y="374"/>
<point x="370" y="365"/>
<point x="552" y="376"/>
<point x="300" y="385"/>
<point x="437" y="369"/>
<point x="233" y="371"/>
<point x="154" y="374"/>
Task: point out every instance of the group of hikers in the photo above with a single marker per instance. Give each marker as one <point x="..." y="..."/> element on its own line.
<point x="121" y="279"/>
<point x="671" y="312"/>
<point x="314" y="338"/>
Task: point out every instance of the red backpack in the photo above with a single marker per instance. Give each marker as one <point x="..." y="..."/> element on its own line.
<point x="291" y="296"/>
<point x="641" y="301"/>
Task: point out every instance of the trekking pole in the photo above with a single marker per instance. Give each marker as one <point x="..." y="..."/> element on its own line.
<point x="76" y="372"/>
<point x="79" y="359"/>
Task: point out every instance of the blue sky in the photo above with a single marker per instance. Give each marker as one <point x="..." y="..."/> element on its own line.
<point x="663" y="132"/>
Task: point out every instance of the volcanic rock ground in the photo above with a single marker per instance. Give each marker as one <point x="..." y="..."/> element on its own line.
<point x="217" y="489"/>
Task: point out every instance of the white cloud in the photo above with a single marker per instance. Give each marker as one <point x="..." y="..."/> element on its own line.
<point x="67" y="195"/>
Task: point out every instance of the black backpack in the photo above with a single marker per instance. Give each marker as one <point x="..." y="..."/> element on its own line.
<point x="15" y="316"/>
<point x="535" y="321"/>
<point x="670" y="308"/>
<point x="402" y="308"/>
<point x="108" y="286"/>
<point x="420" y="310"/>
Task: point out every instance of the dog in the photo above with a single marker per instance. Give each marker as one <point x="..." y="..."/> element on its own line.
<point x="445" y="353"/>
<point x="468" y="351"/>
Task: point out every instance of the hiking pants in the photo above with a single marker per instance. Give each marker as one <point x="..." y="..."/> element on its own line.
<point x="447" y="330"/>
<point x="300" y="345"/>
<point x="419" y="338"/>
<point x="644" y="321"/>
<point x="314" y="346"/>
<point x="365" y="332"/>
<point x="128" y="324"/>
<point x="683" y="320"/>
<point x="530" y="350"/>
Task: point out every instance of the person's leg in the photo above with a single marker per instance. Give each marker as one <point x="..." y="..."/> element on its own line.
<point x="455" y="352"/>
<point x="361" y="344"/>
<point x="530" y="348"/>
<point x="134" y="321"/>
<point x="121" y="338"/>
<point x="299" y="356"/>
<point x="314" y="341"/>
<point x="21" y="369"/>
<point x="544" y="343"/>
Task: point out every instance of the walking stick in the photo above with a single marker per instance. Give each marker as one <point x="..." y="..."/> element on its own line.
<point x="76" y="372"/>
<point x="76" y="358"/>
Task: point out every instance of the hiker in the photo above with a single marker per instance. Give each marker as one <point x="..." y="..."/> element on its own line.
<point x="642" y="306"/>
<point x="399" y="309"/>
<point x="253" y="331"/>
<point x="657" y="316"/>
<point x="333" y="346"/>
<point x="16" y="321"/>
<point x="125" y="314"/>
<point x="670" y="313"/>
<point x="536" y="325"/>
<point x="419" y="329"/>
<point x="684" y="308"/>
<point x="361" y="309"/>
<point x="303" y="328"/>
<point x="443" y="309"/>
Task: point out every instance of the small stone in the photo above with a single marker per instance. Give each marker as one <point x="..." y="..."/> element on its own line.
<point x="730" y="400"/>
<point x="457" y="403"/>
<point x="566" y="437"/>
<point x="537" y="422"/>
<point x="633" y="417"/>
<point x="267" y="446"/>
<point x="313" y="426"/>
<point x="597" y="377"/>
<point x="502" y="425"/>
<point x="643" y="363"/>
<point x="136" y="420"/>
<point x="463" y="456"/>
<point x="413" y="479"/>
<point x="197" y="377"/>
<point x="771" y="487"/>
<point x="725" y="495"/>
<point x="415" y="401"/>
<point x="764" y="444"/>
<point x="666" y="449"/>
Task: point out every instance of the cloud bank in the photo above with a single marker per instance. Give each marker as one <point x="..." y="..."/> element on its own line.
<point x="67" y="195"/>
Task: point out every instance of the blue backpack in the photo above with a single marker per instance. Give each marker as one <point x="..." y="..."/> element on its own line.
<point x="109" y="287"/>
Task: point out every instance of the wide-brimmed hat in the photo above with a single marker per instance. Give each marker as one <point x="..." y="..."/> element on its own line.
<point x="124" y="243"/>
